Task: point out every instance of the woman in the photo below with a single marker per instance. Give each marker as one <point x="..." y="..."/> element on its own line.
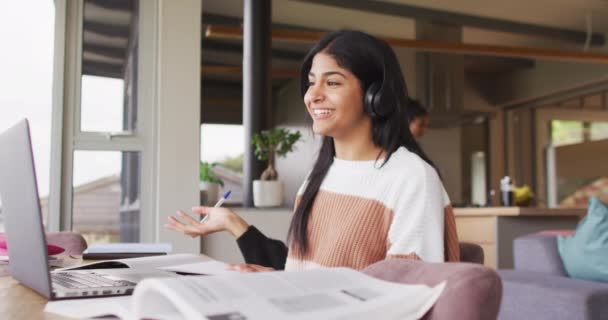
<point x="372" y="193"/>
<point x="418" y="118"/>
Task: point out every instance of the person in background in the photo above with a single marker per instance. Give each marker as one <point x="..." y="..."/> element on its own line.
<point x="372" y="193"/>
<point x="418" y="118"/>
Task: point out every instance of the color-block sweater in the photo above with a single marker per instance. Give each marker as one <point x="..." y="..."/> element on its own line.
<point x="364" y="213"/>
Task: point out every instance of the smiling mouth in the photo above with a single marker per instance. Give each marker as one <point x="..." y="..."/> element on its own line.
<point x="322" y="113"/>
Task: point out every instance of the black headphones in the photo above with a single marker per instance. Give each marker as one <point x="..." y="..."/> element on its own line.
<point x="376" y="103"/>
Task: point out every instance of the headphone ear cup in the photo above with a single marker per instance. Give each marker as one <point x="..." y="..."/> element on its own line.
<point x="372" y="99"/>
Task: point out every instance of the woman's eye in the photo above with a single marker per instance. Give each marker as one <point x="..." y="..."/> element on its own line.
<point x="332" y="83"/>
<point x="310" y="83"/>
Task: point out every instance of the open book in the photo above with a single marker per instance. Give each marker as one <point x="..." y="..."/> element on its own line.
<point x="336" y="293"/>
<point x="181" y="263"/>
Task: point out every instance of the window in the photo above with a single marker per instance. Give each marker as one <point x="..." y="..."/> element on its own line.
<point x="101" y="101"/>
<point x="599" y="130"/>
<point x="26" y="78"/>
<point x="580" y="171"/>
<point x="105" y="183"/>
<point x="566" y="132"/>
<point x="105" y="196"/>
<point x="100" y="190"/>
<point x="132" y="122"/>
<point x="570" y="132"/>
<point x="224" y="145"/>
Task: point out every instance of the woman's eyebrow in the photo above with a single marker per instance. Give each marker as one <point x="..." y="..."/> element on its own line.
<point x="328" y="73"/>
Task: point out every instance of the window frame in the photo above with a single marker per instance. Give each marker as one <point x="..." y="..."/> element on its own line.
<point x="169" y="89"/>
<point x="67" y="136"/>
<point x="546" y="189"/>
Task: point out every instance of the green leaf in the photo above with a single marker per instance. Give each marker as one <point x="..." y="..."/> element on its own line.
<point x="278" y="140"/>
<point x="207" y="175"/>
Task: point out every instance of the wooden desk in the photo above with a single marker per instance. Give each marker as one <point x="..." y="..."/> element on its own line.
<point x="20" y="302"/>
<point x="495" y="228"/>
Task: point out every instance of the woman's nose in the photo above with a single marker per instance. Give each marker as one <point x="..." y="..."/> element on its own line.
<point x="315" y="93"/>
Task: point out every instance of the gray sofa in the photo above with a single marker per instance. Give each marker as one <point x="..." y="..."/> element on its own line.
<point x="539" y="288"/>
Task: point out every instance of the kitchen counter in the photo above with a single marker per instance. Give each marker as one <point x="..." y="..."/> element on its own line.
<point x="495" y="228"/>
<point x="519" y="211"/>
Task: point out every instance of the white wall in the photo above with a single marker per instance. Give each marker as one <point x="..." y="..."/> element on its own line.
<point x="178" y="103"/>
<point x="407" y="60"/>
<point x="547" y="77"/>
<point x="290" y="113"/>
<point x="444" y="147"/>
<point x="274" y="223"/>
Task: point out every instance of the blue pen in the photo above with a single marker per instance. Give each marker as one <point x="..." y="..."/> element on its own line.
<point x="218" y="204"/>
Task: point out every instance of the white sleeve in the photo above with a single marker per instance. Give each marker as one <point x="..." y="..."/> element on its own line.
<point x="446" y="197"/>
<point x="304" y="184"/>
<point x="417" y="226"/>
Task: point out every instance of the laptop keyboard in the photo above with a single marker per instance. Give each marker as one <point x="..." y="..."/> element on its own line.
<point x="73" y="280"/>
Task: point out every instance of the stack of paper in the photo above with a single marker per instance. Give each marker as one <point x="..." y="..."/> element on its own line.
<point x="125" y="250"/>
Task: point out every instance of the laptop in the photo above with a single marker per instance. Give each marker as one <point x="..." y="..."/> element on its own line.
<point x="25" y="234"/>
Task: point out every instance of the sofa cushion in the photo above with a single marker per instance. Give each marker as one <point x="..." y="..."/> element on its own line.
<point x="472" y="291"/>
<point x="585" y="253"/>
<point x="538" y="252"/>
<point x="471" y="252"/>
<point x="537" y="295"/>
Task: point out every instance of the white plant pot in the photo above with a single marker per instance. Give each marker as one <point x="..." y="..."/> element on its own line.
<point x="267" y="193"/>
<point x="210" y="193"/>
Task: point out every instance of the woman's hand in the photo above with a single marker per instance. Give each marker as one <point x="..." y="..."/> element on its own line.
<point x="244" y="267"/>
<point x="219" y="219"/>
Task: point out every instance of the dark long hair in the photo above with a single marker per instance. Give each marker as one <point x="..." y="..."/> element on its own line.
<point x="370" y="60"/>
<point x="415" y="110"/>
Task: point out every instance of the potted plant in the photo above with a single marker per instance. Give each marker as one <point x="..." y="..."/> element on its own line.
<point x="209" y="183"/>
<point x="268" y="191"/>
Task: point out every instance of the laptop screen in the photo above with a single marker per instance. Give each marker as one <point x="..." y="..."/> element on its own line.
<point x="28" y="262"/>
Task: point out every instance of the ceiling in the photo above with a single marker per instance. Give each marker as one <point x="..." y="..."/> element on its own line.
<point x="108" y="24"/>
<point x="569" y="14"/>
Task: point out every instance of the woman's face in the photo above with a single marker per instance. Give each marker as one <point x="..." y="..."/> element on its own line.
<point x="418" y="126"/>
<point x="334" y="99"/>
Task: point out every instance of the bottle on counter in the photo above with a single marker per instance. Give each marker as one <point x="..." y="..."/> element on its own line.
<point x="491" y="195"/>
<point x="506" y="191"/>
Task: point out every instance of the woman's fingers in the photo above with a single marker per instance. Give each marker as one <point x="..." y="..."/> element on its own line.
<point x="170" y="226"/>
<point x="201" y="210"/>
<point x="244" y="267"/>
<point x="192" y="226"/>
<point x="188" y="218"/>
<point x="262" y="268"/>
<point x="188" y="229"/>
<point x="175" y="222"/>
<point x="178" y="228"/>
<point x="189" y="221"/>
<point x="240" y="267"/>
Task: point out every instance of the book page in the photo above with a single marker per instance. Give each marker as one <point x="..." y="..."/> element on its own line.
<point x="317" y="294"/>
